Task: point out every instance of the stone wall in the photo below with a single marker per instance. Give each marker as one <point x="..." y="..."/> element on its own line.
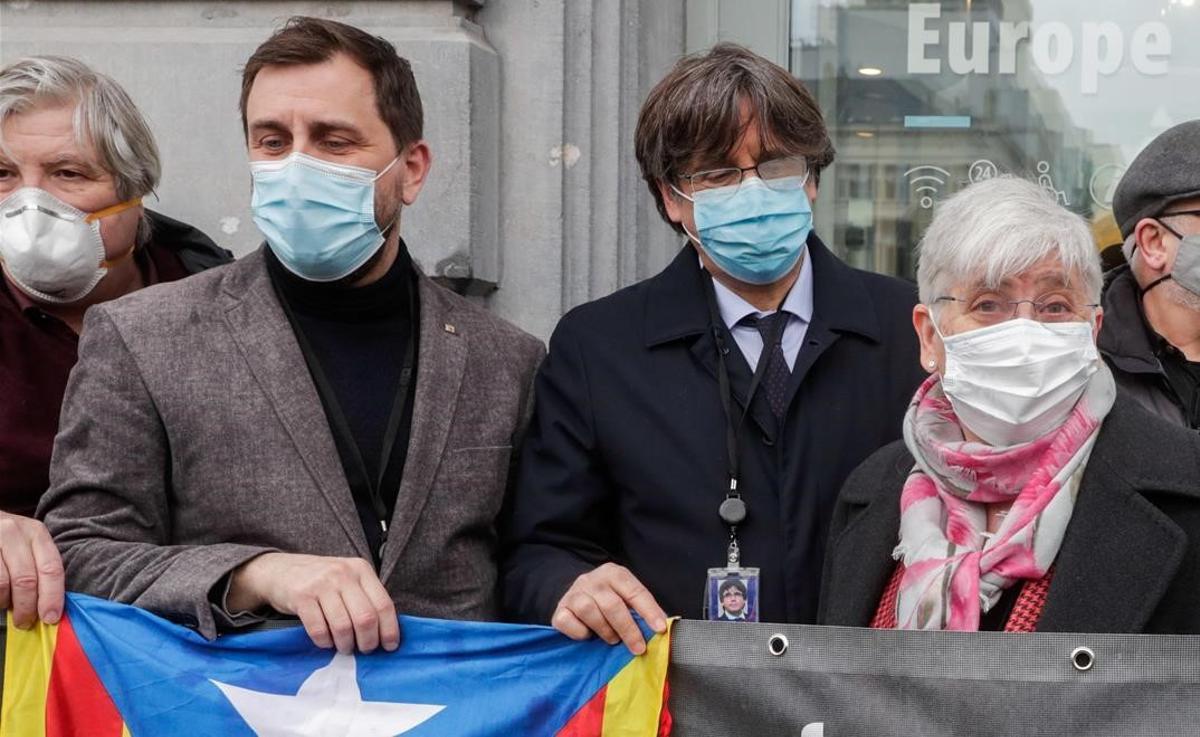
<point x="534" y="203"/>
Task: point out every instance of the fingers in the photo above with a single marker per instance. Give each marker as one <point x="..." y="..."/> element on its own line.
<point x="5" y="598"/>
<point x="568" y="624"/>
<point x="340" y="601"/>
<point x="364" y="620"/>
<point x="599" y="601"/>
<point x="585" y="608"/>
<point x="639" y="597"/>
<point x="49" y="566"/>
<point x="313" y="619"/>
<point x="341" y="627"/>
<point x="385" y="611"/>
<point x="616" y="612"/>
<point x="22" y="571"/>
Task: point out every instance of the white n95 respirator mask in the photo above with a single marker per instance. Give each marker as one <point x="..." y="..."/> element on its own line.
<point x="50" y="250"/>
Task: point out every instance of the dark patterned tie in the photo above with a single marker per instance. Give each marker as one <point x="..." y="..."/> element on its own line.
<point x="775" y="380"/>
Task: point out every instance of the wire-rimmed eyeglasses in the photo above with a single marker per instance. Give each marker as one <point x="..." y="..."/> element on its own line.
<point x="989" y="311"/>
<point x="789" y="172"/>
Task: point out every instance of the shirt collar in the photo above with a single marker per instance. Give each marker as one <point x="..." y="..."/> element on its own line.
<point x="798" y="302"/>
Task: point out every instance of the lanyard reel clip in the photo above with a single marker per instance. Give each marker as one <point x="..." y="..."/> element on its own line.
<point x="732" y="512"/>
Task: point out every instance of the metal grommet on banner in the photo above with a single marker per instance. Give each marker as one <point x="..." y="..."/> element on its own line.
<point x="1082" y="659"/>
<point x="778" y="644"/>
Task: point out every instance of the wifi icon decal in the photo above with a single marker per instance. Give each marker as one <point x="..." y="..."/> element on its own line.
<point x="926" y="183"/>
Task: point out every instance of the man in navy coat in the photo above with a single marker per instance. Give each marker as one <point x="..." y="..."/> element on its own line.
<point x="632" y="448"/>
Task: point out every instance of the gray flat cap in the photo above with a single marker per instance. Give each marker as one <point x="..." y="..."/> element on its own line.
<point x="1167" y="170"/>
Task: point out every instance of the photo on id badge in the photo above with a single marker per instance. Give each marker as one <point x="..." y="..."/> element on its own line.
<point x="732" y="595"/>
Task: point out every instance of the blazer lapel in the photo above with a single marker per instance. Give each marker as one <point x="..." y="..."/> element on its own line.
<point x="860" y="562"/>
<point x="1121" y="553"/>
<point x="441" y="364"/>
<point x="261" y="329"/>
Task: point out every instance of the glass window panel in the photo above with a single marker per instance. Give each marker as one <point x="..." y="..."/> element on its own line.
<point x="923" y="98"/>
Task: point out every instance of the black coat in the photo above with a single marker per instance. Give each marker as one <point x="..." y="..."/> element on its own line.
<point x="625" y="457"/>
<point x="1130" y="560"/>
<point x="1128" y="346"/>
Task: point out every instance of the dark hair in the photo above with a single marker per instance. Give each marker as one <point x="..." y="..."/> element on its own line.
<point x="693" y="116"/>
<point x="306" y="40"/>
<point x="735" y="583"/>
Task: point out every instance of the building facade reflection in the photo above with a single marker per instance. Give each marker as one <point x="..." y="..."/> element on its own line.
<point x="923" y="98"/>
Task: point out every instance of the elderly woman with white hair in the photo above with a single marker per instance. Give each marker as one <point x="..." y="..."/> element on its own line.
<point x="76" y="159"/>
<point x="1026" y="494"/>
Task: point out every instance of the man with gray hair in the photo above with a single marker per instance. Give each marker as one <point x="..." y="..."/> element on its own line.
<point x="76" y="159"/>
<point x="1151" y="335"/>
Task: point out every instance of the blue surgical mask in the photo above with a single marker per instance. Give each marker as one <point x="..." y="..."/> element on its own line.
<point x="318" y="217"/>
<point x="757" y="233"/>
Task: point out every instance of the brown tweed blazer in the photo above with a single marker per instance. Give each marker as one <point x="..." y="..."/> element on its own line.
<point x="192" y="439"/>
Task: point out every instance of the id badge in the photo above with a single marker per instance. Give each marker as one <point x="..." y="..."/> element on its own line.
<point x="731" y="595"/>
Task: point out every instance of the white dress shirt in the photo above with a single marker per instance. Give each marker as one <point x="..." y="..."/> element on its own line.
<point x="798" y="305"/>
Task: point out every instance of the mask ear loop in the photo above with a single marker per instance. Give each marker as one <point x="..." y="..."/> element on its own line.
<point x="386" y="169"/>
<point x="384" y="231"/>
<point x="112" y="210"/>
<point x="689" y="233"/>
<point x="1153" y="284"/>
<point x="1142" y="292"/>
<point x="98" y="215"/>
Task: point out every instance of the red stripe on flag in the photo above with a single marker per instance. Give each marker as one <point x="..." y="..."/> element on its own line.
<point x="76" y="701"/>
<point x="589" y="720"/>
<point x="665" y="722"/>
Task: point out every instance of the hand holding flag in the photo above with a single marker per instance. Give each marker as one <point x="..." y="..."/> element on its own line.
<point x="109" y="670"/>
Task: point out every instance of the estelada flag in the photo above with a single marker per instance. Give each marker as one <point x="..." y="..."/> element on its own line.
<point x="109" y="670"/>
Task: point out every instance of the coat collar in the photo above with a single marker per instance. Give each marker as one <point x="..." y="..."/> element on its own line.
<point x="1126" y="338"/>
<point x="851" y="586"/>
<point x="1119" y="555"/>
<point x="676" y="307"/>
<point x="1121" y="550"/>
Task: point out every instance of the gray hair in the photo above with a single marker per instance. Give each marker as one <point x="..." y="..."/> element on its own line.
<point x="999" y="228"/>
<point x="105" y="117"/>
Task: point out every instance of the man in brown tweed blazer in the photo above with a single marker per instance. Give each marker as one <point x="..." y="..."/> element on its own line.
<point x="316" y="430"/>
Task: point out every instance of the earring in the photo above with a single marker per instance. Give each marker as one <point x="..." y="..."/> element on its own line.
<point x="931" y="363"/>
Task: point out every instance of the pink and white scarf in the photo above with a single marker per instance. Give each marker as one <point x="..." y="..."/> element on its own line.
<point x="954" y="571"/>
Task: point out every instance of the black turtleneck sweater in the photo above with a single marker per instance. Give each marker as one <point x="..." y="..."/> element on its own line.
<point x="357" y="339"/>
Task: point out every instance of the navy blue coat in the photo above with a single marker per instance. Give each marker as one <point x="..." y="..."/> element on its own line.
<point x="625" y="456"/>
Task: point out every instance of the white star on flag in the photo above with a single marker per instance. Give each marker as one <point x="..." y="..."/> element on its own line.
<point x="328" y="704"/>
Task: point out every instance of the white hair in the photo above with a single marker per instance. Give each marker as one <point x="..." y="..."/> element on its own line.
<point x="999" y="228"/>
<point x="105" y="119"/>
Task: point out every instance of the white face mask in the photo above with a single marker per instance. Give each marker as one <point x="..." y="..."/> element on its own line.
<point x="50" y="250"/>
<point x="1016" y="381"/>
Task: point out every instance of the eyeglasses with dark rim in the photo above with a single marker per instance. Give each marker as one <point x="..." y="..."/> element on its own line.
<point x="1055" y="309"/>
<point x="787" y="173"/>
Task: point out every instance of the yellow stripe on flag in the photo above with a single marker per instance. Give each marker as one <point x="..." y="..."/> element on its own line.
<point x="27" y="660"/>
<point x="634" y="700"/>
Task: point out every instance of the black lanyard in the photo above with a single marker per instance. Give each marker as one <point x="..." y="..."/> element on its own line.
<point x="733" y="508"/>
<point x="357" y="475"/>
